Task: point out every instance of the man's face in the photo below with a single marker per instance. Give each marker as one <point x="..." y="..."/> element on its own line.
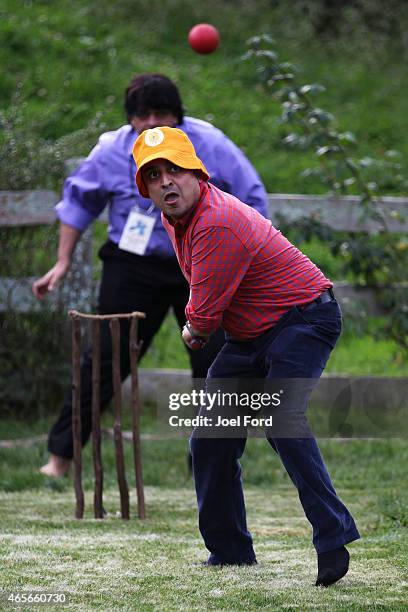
<point x="173" y="189"/>
<point x="153" y="118"/>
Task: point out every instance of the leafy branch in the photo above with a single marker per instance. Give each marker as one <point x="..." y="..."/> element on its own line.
<point x="27" y="159"/>
<point x="375" y="260"/>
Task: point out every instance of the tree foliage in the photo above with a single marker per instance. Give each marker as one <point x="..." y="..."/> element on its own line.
<point x="376" y="260"/>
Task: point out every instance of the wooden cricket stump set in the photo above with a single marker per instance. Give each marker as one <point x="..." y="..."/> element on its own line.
<point x="134" y="349"/>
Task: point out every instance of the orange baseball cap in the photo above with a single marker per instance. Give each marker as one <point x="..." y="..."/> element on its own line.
<point x="165" y="143"/>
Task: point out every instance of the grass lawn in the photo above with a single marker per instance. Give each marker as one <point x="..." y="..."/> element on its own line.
<point x="113" y="564"/>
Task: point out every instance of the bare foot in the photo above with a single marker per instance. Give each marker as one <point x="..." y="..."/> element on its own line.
<point x="56" y="466"/>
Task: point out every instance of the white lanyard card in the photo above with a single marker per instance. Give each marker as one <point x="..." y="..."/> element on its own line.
<point x="136" y="233"/>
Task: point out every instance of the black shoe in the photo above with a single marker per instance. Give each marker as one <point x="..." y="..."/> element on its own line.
<point x="210" y="563"/>
<point x="332" y="565"/>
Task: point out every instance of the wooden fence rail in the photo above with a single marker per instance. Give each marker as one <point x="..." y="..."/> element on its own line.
<point x="19" y="208"/>
<point x="36" y="208"/>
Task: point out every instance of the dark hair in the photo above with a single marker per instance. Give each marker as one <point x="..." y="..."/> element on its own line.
<point x="152" y="91"/>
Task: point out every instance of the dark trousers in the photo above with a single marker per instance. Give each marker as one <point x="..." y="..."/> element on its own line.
<point x="297" y="347"/>
<point x="129" y="283"/>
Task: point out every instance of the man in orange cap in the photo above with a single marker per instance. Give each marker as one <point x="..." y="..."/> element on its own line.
<point x="281" y="322"/>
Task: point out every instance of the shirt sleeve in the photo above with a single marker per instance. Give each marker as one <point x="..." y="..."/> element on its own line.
<point x="236" y="175"/>
<point x="85" y="195"/>
<point x="218" y="264"/>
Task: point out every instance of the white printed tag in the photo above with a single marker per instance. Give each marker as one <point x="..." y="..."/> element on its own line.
<point x="136" y="233"/>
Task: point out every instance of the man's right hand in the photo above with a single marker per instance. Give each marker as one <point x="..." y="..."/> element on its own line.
<point x="50" y="280"/>
<point x="193" y="342"/>
<point x="68" y="238"/>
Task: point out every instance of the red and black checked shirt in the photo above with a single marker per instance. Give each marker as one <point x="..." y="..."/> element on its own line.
<point x="243" y="273"/>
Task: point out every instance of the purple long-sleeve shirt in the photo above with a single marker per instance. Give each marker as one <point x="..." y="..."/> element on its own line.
<point x="107" y="177"/>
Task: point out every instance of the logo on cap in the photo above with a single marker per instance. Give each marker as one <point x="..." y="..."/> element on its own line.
<point x="154" y="137"/>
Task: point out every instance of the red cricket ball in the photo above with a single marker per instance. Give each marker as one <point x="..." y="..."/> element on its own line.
<point x="204" y="38"/>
